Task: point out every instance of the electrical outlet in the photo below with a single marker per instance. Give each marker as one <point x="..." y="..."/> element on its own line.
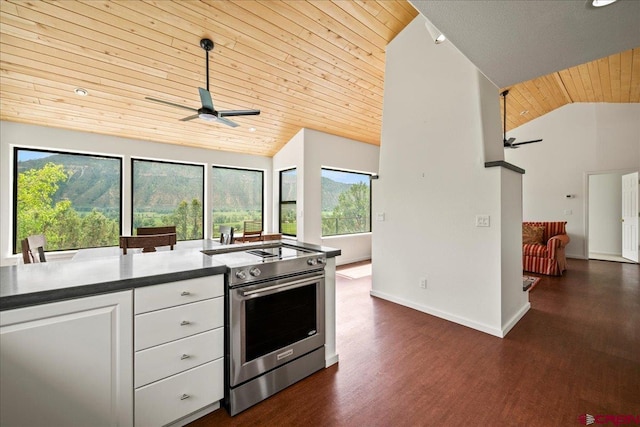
<point x="423" y="283"/>
<point x="483" y="220"/>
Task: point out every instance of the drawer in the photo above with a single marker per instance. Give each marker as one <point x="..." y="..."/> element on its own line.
<point x="168" y="359"/>
<point x="156" y="297"/>
<point x="167" y="400"/>
<point x="159" y="327"/>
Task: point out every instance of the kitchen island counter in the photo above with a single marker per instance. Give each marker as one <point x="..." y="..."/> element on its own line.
<point x="33" y="284"/>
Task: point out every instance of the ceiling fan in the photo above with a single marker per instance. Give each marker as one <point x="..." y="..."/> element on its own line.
<point x="510" y="143"/>
<point x="207" y="111"/>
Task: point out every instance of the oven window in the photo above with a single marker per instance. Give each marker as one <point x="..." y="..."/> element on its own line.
<point x="278" y="320"/>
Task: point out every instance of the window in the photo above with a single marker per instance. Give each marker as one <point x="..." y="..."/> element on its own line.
<point x="237" y="197"/>
<point x="288" y="197"/>
<point x="167" y="193"/>
<point x="73" y="199"/>
<point x="346" y="202"/>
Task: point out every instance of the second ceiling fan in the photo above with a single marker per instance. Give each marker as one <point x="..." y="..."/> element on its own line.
<point x="510" y="143"/>
<point x="207" y="111"/>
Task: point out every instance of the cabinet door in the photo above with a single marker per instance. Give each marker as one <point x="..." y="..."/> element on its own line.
<point x="68" y="363"/>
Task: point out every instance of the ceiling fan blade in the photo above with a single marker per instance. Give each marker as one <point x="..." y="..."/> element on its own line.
<point x="186" y="119"/>
<point x="527" y="142"/>
<point x="228" y="113"/>
<point x="205" y="98"/>
<point x="170" y="103"/>
<point x="227" y="122"/>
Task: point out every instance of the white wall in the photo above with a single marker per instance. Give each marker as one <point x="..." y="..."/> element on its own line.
<point x="578" y="138"/>
<point x="310" y="151"/>
<point x="440" y="124"/>
<point x="28" y="136"/>
<point x="605" y="211"/>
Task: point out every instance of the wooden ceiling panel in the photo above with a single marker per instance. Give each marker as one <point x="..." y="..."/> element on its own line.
<point x="614" y="79"/>
<point x="314" y="64"/>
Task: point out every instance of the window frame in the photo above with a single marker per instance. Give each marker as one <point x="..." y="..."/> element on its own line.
<point x="260" y="171"/>
<point x="14" y="225"/>
<point x="287" y="202"/>
<point x="141" y="159"/>
<point x="368" y="174"/>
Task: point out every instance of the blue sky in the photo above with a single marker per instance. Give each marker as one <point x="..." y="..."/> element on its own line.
<point x="24" y="155"/>
<point x="345" y="177"/>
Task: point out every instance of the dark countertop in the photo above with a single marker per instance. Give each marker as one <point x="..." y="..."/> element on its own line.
<point x="32" y="284"/>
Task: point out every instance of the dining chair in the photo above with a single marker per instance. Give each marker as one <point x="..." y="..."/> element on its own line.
<point x="252" y="232"/>
<point x="33" y="249"/>
<point x="226" y="234"/>
<point x="145" y="231"/>
<point x="148" y="243"/>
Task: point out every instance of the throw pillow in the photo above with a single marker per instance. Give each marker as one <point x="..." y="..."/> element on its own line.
<point x="532" y="234"/>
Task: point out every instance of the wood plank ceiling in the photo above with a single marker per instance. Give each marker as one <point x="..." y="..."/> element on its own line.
<point x="314" y="64"/>
<point x="614" y="79"/>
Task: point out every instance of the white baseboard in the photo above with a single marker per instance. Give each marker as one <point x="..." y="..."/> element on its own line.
<point x="330" y="360"/>
<point x="515" y="319"/>
<point x="344" y="261"/>
<point x="596" y="253"/>
<point x="441" y="314"/>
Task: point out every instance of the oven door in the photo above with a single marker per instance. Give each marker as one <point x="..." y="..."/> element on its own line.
<point x="274" y="322"/>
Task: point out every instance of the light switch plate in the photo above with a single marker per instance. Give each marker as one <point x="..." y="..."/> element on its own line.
<point x="380" y="216"/>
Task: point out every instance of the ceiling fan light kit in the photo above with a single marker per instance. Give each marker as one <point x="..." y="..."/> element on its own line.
<point x="207" y="112"/>
<point x="510" y="143"/>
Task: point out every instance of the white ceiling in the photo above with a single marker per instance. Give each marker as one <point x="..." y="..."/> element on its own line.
<point x="518" y="40"/>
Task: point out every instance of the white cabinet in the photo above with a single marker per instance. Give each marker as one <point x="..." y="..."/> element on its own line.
<point x="68" y="363"/>
<point x="179" y="343"/>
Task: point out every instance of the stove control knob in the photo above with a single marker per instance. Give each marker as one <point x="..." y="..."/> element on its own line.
<point x="241" y="275"/>
<point x="312" y="261"/>
<point x="255" y="272"/>
<point x="321" y="260"/>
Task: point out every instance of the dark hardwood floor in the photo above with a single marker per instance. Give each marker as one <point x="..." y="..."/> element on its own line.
<point x="576" y="351"/>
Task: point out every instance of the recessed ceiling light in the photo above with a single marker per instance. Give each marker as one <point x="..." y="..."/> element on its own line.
<point x="252" y="129"/>
<point x="81" y="92"/>
<point x="600" y="3"/>
<point x="522" y="113"/>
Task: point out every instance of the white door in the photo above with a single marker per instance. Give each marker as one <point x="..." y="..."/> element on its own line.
<point x="630" y="217"/>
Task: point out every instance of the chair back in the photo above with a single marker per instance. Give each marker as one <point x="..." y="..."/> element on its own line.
<point x="33" y="249"/>
<point x="226" y="235"/>
<point x="551" y="228"/>
<point x="148" y="243"/>
<point x="252" y="231"/>
<point x="145" y="231"/>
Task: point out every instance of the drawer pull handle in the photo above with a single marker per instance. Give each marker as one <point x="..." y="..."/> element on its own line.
<point x="184" y="396"/>
<point x="185" y="293"/>
<point x="185" y="323"/>
<point x="184" y="356"/>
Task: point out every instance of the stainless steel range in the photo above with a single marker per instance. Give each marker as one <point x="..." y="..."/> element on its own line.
<point x="275" y="324"/>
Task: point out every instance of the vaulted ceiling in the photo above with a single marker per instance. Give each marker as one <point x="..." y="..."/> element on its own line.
<point x="314" y="64"/>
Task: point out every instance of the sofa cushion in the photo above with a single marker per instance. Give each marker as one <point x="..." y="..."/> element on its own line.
<point x="532" y="234"/>
<point x="535" y="250"/>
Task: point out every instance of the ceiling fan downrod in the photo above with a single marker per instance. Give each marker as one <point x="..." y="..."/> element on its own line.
<point x="207" y="45"/>
<point x="504" y="111"/>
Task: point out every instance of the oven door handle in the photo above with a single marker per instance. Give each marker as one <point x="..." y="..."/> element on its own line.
<point x="281" y="287"/>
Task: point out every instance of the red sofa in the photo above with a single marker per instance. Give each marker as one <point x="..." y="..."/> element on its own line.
<point x="544" y="255"/>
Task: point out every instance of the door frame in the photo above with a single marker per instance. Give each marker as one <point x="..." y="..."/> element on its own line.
<point x="587" y="174"/>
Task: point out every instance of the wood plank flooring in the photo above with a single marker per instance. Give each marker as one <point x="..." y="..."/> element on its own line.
<point x="576" y="351"/>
